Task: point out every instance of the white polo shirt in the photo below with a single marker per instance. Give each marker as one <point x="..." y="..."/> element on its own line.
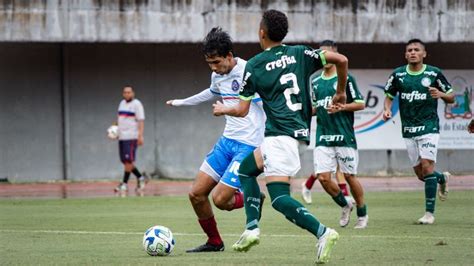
<point x="129" y="113"/>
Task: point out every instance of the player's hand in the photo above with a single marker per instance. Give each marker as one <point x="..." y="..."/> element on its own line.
<point x="169" y="102"/>
<point x="470" y="127"/>
<point x="140" y="141"/>
<point x="334" y="108"/>
<point x="219" y="108"/>
<point x="435" y="93"/>
<point x="387" y="114"/>
<point x="339" y="98"/>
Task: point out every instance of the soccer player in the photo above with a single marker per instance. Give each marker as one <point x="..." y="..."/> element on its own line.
<point x="241" y="136"/>
<point x="419" y="86"/>
<point x="131" y="117"/>
<point x="307" y="185"/>
<point x="280" y="75"/>
<point x="335" y="140"/>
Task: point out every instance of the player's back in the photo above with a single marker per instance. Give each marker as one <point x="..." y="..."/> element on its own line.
<point x="280" y="76"/>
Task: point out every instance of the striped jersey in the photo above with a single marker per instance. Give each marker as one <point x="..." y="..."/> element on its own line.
<point x="129" y="113"/>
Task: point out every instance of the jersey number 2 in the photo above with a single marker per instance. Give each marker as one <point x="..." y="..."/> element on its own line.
<point x="291" y="90"/>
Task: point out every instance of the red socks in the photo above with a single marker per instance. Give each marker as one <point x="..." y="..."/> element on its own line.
<point x="239" y="200"/>
<point x="310" y="182"/>
<point x="344" y="189"/>
<point x="209" y="226"/>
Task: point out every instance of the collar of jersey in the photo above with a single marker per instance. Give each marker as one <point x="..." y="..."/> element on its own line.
<point x="268" y="49"/>
<point x="328" y="78"/>
<point x="416" y="73"/>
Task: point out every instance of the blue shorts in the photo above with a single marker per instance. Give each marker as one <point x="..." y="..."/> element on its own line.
<point x="223" y="162"/>
<point x="127" y="150"/>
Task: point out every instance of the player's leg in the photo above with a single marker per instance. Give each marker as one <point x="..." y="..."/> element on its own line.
<point x="124" y="153"/>
<point x="226" y="195"/>
<point x="427" y="147"/>
<point x="326" y="164"/>
<point x="199" y="197"/>
<point x="208" y="177"/>
<point x="249" y="169"/>
<point x="133" y="145"/>
<point x="342" y="184"/>
<point x="308" y="184"/>
<point x="348" y="161"/>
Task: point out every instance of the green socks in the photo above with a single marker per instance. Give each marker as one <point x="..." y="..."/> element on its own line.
<point x="340" y="199"/>
<point x="439" y="177"/>
<point x="294" y="211"/>
<point x="362" y="211"/>
<point x="431" y="185"/>
<point x="248" y="173"/>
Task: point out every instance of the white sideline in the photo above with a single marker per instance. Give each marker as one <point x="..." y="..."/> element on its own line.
<point x="232" y="235"/>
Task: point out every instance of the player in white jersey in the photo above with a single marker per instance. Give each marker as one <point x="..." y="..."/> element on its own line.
<point x="130" y="120"/>
<point x="240" y="137"/>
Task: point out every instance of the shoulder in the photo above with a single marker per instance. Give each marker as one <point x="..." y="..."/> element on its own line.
<point x="137" y="102"/>
<point x="433" y="68"/>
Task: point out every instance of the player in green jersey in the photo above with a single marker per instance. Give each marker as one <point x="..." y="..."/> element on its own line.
<point x="280" y="75"/>
<point x="419" y="86"/>
<point x="336" y="142"/>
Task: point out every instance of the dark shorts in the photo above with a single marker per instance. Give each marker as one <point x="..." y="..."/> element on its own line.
<point x="127" y="150"/>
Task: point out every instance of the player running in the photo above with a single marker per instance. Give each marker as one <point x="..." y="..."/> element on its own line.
<point x="336" y="143"/>
<point x="419" y="87"/>
<point x="241" y="136"/>
<point x="280" y="75"/>
<point x="130" y="121"/>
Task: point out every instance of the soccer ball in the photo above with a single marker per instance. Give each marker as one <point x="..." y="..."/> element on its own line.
<point x="158" y="241"/>
<point x="112" y="132"/>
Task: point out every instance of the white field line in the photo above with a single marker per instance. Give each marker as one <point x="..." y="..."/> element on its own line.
<point x="230" y="235"/>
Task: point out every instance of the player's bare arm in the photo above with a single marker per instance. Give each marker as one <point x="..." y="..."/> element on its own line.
<point x="387" y="109"/>
<point x="349" y="107"/>
<point x="437" y="94"/>
<point x="141" y="127"/>
<point x="239" y="110"/>
<point x="341" y="62"/>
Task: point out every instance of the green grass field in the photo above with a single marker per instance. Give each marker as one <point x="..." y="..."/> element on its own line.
<point x="109" y="231"/>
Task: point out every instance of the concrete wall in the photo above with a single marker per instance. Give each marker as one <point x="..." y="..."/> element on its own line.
<point x="34" y="76"/>
<point x="350" y="21"/>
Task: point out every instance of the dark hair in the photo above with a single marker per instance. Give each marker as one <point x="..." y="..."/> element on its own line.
<point x="416" y="41"/>
<point x="217" y="43"/>
<point x="276" y="24"/>
<point x="329" y="43"/>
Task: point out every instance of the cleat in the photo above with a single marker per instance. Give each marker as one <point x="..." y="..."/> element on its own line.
<point x="260" y="209"/>
<point x="122" y="187"/>
<point x="346" y="214"/>
<point x="362" y="222"/>
<point x="325" y="245"/>
<point x="207" y="248"/>
<point x="248" y="239"/>
<point x="443" y="189"/>
<point x="428" y="218"/>
<point x="306" y="193"/>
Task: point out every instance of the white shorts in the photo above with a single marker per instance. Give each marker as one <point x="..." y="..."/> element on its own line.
<point x="422" y="147"/>
<point x="326" y="159"/>
<point x="281" y="156"/>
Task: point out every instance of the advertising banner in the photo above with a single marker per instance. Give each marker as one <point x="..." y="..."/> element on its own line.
<point x="374" y="134"/>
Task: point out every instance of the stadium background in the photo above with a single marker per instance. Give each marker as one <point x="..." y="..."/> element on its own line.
<point x="63" y="64"/>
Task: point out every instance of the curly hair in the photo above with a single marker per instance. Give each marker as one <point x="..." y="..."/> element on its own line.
<point x="217" y="43"/>
<point x="276" y="24"/>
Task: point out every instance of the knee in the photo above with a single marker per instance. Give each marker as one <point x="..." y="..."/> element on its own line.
<point x="427" y="168"/>
<point x="196" y="198"/>
<point x="219" y="201"/>
<point x="324" y="178"/>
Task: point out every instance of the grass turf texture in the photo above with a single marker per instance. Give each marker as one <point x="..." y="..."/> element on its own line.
<point x="110" y="231"/>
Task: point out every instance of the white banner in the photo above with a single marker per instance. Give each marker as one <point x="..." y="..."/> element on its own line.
<point x="374" y="134"/>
